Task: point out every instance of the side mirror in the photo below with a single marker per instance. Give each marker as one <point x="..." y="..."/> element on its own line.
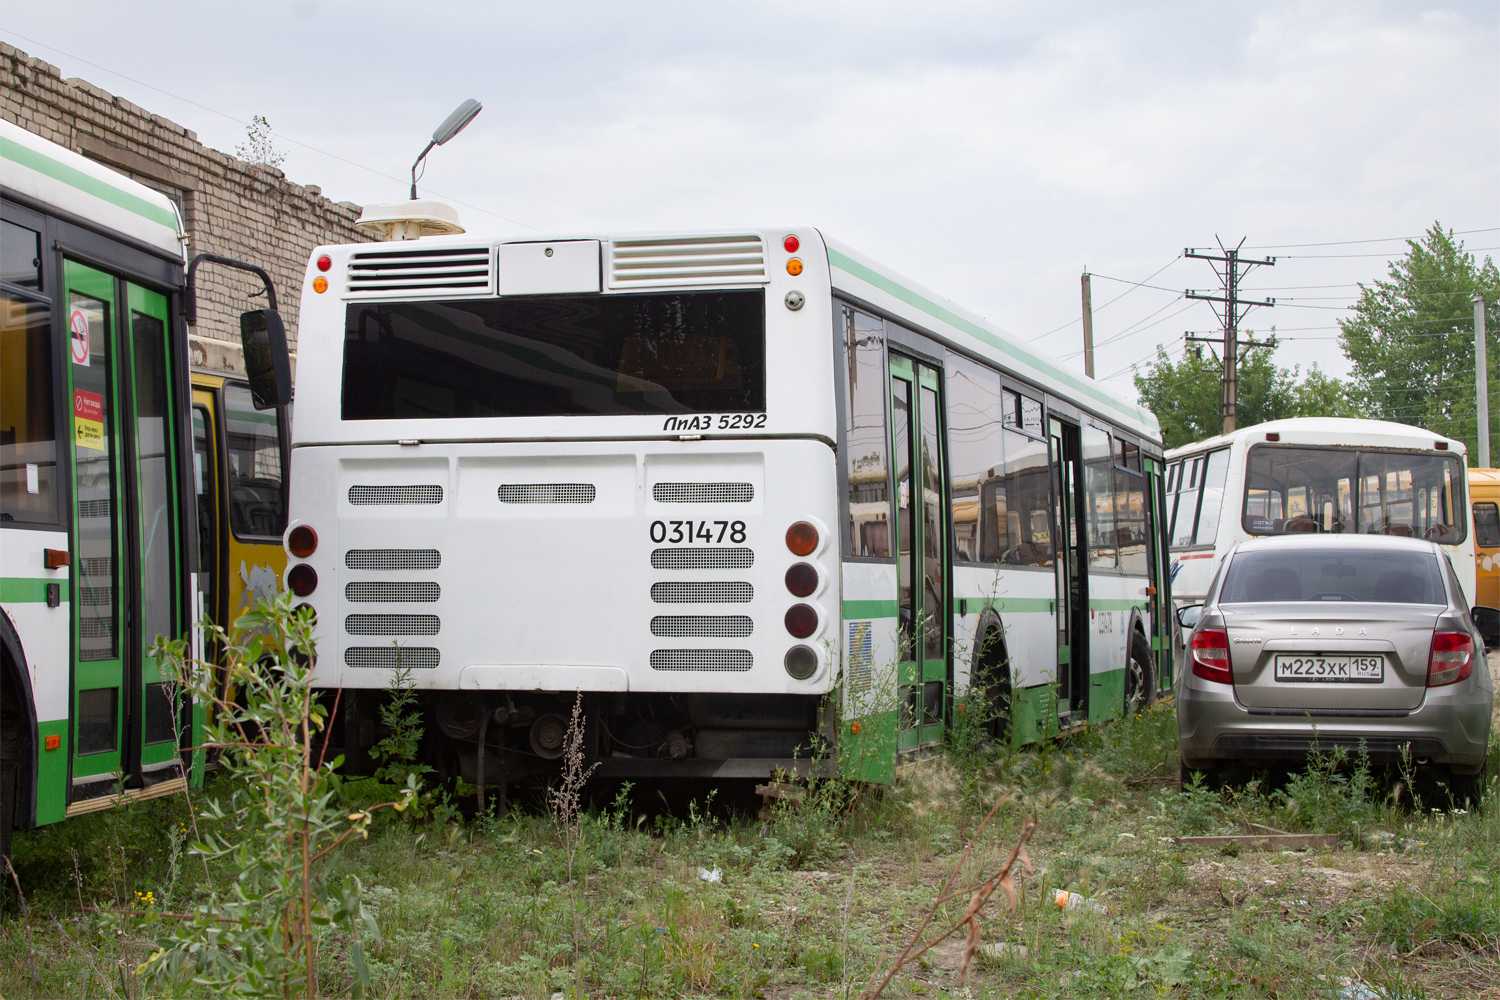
<point x="1188" y="617"/>
<point x="267" y="364"/>
<point x="1487" y="620"/>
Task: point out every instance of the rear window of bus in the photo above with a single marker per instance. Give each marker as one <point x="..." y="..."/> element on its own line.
<point x="556" y="355"/>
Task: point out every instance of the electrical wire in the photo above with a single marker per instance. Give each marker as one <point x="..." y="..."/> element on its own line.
<point x="1386" y="239"/>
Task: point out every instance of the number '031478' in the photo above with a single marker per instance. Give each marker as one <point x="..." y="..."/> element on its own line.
<point x="697" y="532"/>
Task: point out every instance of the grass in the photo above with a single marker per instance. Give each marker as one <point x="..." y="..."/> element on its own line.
<point x="822" y="898"/>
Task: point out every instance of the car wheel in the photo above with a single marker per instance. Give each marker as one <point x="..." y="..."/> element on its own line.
<point x="1211" y="775"/>
<point x="1461" y="791"/>
<point x="1140" y="678"/>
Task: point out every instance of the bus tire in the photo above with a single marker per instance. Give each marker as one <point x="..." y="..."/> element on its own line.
<point x="993" y="675"/>
<point x="1140" y="677"/>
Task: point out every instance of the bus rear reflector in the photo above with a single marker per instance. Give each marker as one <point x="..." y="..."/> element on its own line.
<point x="802" y="538"/>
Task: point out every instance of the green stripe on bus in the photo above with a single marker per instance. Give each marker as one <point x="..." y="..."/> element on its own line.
<point x="869" y="609"/>
<point x="52" y="773"/>
<point x="1013" y="604"/>
<point x="23" y="590"/>
<point x="75" y="178"/>
<point x="911" y="298"/>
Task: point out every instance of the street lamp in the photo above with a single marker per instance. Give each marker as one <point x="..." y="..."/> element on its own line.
<point x="452" y="125"/>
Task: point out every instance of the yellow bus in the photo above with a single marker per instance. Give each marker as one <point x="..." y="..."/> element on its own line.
<point x="1484" y="494"/>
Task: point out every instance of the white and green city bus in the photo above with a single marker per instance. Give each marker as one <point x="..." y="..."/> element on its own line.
<point x="748" y="492"/>
<point x="99" y="493"/>
<point x="1324" y="475"/>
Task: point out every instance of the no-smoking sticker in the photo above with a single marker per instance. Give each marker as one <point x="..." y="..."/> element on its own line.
<point x="78" y="337"/>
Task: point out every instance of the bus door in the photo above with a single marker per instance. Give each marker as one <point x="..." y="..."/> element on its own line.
<point x="1072" y="681"/>
<point x="922" y="551"/>
<point x="127" y="552"/>
<point x="206" y="489"/>
<point x="1159" y="590"/>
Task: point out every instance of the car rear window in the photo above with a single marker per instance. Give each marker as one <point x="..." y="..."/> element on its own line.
<point x="1377" y="575"/>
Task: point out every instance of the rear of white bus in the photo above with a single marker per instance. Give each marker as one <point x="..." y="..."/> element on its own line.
<point x="525" y="472"/>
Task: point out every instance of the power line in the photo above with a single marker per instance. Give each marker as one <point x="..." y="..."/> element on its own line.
<point x="1106" y="305"/>
<point x="280" y="135"/>
<point x="1386" y="239"/>
<point x="1351" y="256"/>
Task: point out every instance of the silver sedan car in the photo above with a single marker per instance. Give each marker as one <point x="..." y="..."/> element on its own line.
<point x="1336" y="640"/>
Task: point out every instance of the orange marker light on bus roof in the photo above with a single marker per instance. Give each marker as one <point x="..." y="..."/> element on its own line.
<point x="324" y="262"/>
<point x="320" y="284"/>
<point x="790" y="244"/>
<point x="802" y="538"/>
<point x="794" y="267"/>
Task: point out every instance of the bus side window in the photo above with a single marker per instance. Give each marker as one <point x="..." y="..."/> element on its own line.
<point x="1130" y="507"/>
<point x="976" y="462"/>
<point x="253" y="455"/>
<point x="1487" y="525"/>
<point x="1213" y="497"/>
<point x="1099" y="505"/>
<point x="28" y="442"/>
<point x="867" y="446"/>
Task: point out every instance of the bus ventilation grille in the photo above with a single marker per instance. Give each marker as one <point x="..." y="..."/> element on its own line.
<point x="702" y="626"/>
<point x="393" y="559"/>
<point x="690" y="260"/>
<point x="364" y="496"/>
<point x="392" y="624"/>
<point x="701" y="592"/>
<point x="547" y="493"/>
<point x="736" y="558"/>
<point x="460" y="270"/>
<point x="861" y="655"/>
<point x="391" y="658"/>
<point x="392" y="591"/>
<point x="703" y="492"/>
<point x="732" y="661"/>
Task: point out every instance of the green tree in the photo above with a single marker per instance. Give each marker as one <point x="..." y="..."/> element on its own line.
<point x="1186" y="396"/>
<point x="1411" y="339"/>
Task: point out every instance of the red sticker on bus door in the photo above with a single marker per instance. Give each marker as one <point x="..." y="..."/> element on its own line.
<point x="78" y="337"/>
<point x="88" y="419"/>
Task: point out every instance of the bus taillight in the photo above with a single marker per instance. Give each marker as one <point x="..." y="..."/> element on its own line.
<point x="302" y="579"/>
<point x="801" y="579"/>
<point x="790" y="244"/>
<point x="324" y="262"/>
<point x="302" y="541"/>
<point x="802" y="538"/>
<point x="801" y="620"/>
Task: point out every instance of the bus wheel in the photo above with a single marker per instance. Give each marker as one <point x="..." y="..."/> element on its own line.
<point x="1140" y="678"/>
<point x="994" y="684"/>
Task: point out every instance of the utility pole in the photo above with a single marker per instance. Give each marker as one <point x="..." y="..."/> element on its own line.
<point x="1088" y="326"/>
<point x="1481" y="382"/>
<point x="1229" y="309"/>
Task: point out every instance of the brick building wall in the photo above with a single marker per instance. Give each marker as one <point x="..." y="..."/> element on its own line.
<point x="248" y="211"/>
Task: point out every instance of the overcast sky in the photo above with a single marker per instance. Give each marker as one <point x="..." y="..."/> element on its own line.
<point x="991" y="151"/>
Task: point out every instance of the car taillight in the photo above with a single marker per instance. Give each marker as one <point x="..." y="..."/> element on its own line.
<point x="1211" y="655"/>
<point x="1451" y="660"/>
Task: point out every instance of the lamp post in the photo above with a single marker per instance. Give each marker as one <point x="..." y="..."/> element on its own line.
<point x="452" y="125"/>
